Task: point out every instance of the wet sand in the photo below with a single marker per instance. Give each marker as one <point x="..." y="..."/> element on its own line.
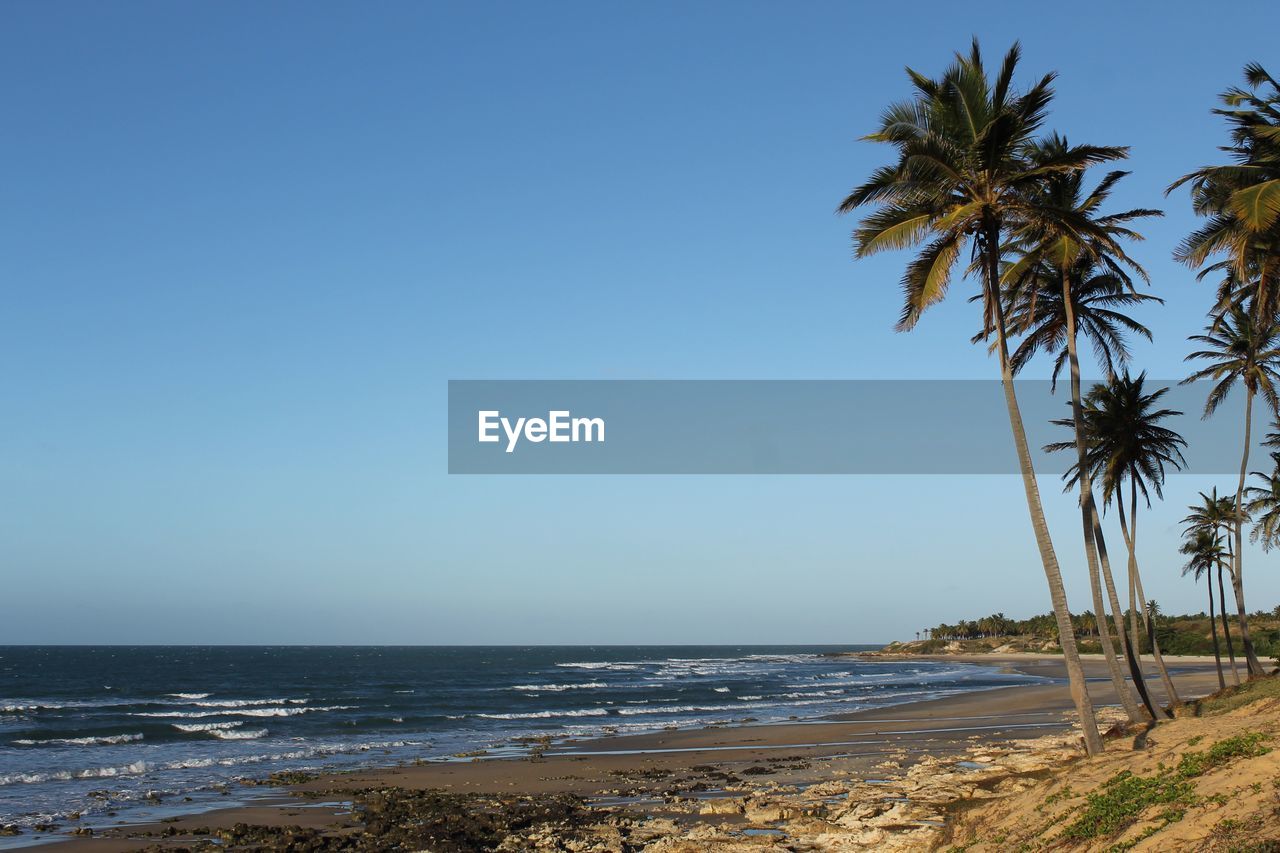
<point x="643" y="771"/>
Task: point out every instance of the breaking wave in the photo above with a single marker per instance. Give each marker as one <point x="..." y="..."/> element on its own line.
<point x="546" y="715"/>
<point x="205" y="727"/>
<point x="107" y="740"/>
<point x="243" y="712"/>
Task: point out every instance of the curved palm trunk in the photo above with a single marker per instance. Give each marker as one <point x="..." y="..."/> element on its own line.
<point x="1237" y="582"/>
<point x="1147" y="622"/>
<point x="1117" y="620"/>
<point x="1086" y="516"/>
<point x="1226" y="629"/>
<point x="1137" y="611"/>
<point x="1049" y="559"/>
<point x="1134" y="640"/>
<point x="1213" y="629"/>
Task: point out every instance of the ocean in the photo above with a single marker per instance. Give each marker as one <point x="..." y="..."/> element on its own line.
<point x="128" y="734"/>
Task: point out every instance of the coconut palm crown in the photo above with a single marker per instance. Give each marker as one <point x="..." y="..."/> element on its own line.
<point x="1204" y="548"/>
<point x="1262" y="502"/>
<point x="1099" y="297"/>
<point x="1238" y="350"/>
<point x="1125" y="437"/>
<point x="1097" y="273"/>
<point x="964" y="175"/>
<point x="1241" y="199"/>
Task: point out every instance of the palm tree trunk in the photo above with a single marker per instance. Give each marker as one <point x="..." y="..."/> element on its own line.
<point x="1237" y="581"/>
<point x="1226" y="629"/>
<point x="1135" y="636"/>
<point x="1131" y="709"/>
<point x="1049" y="559"/>
<point x="1133" y="590"/>
<point x="1117" y="619"/>
<point x="1147" y="622"/>
<point x="1213" y="628"/>
<point x="1086" y="516"/>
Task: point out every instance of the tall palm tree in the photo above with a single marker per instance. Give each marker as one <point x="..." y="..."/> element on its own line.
<point x="1241" y="199"/>
<point x="1241" y="347"/>
<point x="1060" y="287"/>
<point x="1216" y="516"/>
<point x="1127" y="443"/>
<point x="1204" y="549"/>
<point x="961" y="178"/>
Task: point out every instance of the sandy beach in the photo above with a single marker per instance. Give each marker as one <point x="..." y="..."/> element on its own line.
<point x="675" y="784"/>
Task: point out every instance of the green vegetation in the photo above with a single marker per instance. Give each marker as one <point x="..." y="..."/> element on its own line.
<point x="1237" y="697"/>
<point x="1065" y="794"/>
<point x="1124" y="798"/>
<point x="1188" y="634"/>
<point x="1241" y="746"/>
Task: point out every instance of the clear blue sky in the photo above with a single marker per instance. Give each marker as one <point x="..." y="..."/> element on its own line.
<point x="244" y="246"/>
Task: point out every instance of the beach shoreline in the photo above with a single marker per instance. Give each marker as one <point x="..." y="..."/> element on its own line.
<point x="687" y="773"/>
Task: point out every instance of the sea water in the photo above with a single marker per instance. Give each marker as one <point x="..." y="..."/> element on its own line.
<point x="116" y="733"/>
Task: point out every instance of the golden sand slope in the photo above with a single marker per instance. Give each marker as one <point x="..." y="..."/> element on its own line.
<point x="1209" y="780"/>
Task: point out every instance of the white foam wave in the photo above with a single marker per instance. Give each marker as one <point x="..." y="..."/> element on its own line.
<point x="188" y="695"/>
<point x="805" y="694"/>
<point x="248" y="703"/>
<point x="680" y="709"/>
<point x="32" y="705"/>
<point x="206" y="727"/>
<point x="557" y="688"/>
<point x="238" y="734"/>
<point x="243" y="712"/>
<point x="543" y="715"/>
<point x="107" y="740"/>
<point x="138" y="768"/>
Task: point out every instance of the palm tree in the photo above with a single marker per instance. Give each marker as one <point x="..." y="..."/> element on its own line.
<point x="1153" y="610"/>
<point x="1216" y="515"/>
<point x="1127" y="443"/>
<point x="1242" y="199"/>
<point x="1038" y="311"/>
<point x="962" y="177"/>
<point x="1060" y="287"/>
<point x="1242" y="347"/>
<point x="1205" y="551"/>
<point x="1264" y="506"/>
